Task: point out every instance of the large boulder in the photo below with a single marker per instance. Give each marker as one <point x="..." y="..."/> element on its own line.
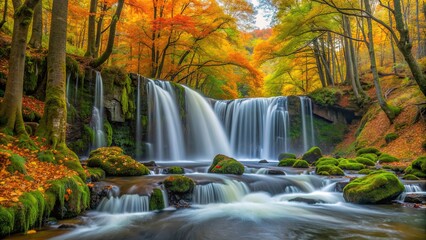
<point x="312" y="155"/>
<point x="329" y="170"/>
<point x="115" y="163"/>
<point x="179" y="190"/>
<point x="417" y="168"/>
<point x="226" y="165"/>
<point x="286" y="155"/>
<point x="377" y="187"/>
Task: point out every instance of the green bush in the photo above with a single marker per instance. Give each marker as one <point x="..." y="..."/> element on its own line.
<point x="368" y="150"/>
<point x="226" y="165"/>
<point x="390" y="137"/>
<point x="286" y="155"/>
<point x="377" y="187"/>
<point x="179" y="184"/>
<point x="287" y="162"/>
<point x="301" y="164"/>
<point x="326" y="96"/>
<point x="312" y="155"/>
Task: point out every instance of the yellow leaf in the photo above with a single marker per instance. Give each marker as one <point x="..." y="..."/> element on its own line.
<point x="2" y="199"/>
<point x="31" y="231"/>
<point x="15" y="199"/>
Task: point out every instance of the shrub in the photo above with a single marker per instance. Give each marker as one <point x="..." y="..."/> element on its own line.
<point x="390" y="137"/>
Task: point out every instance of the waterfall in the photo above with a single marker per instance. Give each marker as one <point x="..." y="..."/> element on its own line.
<point x="76" y="91"/>
<point x="97" y="122"/>
<point x="231" y="191"/>
<point x="68" y="87"/>
<point x="138" y="135"/>
<point x="164" y="124"/>
<point x="257" y="127"/>
<point x="128" y="203"/>
<point x="306" y="112"/>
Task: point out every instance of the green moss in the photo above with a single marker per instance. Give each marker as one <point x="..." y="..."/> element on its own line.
<point x="330" y="170"/>
<point x="365" y="171"/>
<point x="70" y="160"/>
<point x="371" y="156"/>
<point x="115" y="163"/>
<point x="377" y="187"/>
<point x="156" y="201"/>
<point x="328" y="134"/>
<point x="301" y="164"/>
<point x="286" y="162"/>
<point x="286" y="156"/>
<point x="124" y="101"/>
<point x="417" y="168"/>
<point x="410" y="177"/>
<point x="365" y="161"/>
<point x="390" y="137"/>
<point x="17" y="163"/>
<point x="395" y="111"/>
<point x="367" y="150"/>
<point x="312" y="155"/>
<point x="179" y="184"/>
<point x="326" y="96"/>
<point x="326" y="161"/>
<point x="175" y="170"/>
<point x="7" y="219"/>
<point x="226" y="165"/>
<point x="387" y="158"/>
<point x="108" y="131"/>
<point x="350" y="164"/>
<point x="46" y="156"/>
<point x="96" y="174"/>
<point x="67" y="197"/>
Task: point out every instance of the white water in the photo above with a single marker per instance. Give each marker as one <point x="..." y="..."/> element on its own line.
<point x="230" y="191"/>
<point x="127" y="203"/>
<point x="410" y="188"/>
<point x="97" y="122"/>
<point x="138" y="134"/>
<point x="67" y="87"/>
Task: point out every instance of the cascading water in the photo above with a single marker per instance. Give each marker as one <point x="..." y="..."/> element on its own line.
<point x="231" y="191"/>
<point x="68" y="88"/>
<point x="128" y="203"/>
<point x="97" y="122"/>
<point x="138" y="135"/>
<point x="308" y="131"/>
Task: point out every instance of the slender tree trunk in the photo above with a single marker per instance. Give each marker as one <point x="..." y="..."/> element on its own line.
<point x="98" y="61"/>
<point x="420" y="50"/>
<point x="90" y="52"/>
<point x="404" y="45"/>
<point x="11" y="108"/>
<point x="37" y="30"/>
<point x="370" y="44"/>
<point x="99" y="30"/>
<point x="3" y="21"/>
<point x="318" y="62"/>
<point x="392" y="43"/>
<point x="53" y="125"/>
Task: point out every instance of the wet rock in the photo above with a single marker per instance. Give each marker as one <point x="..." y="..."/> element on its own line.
<point x="275" y="172"/>
<point x="179" y="190"/>
<point x="340" y="186"/>
<point x="415" y="198"/>
<point x="263" y="161"/>
<point x="97" y="192"/>
<point x="226" y="165"/>
<point x="306" y="200"/>
<point x="150" y="164"/>
<point x="67" y="226"/>
<point x="312" y="155"/>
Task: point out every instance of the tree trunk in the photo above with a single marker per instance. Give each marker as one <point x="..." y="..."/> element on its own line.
<point x="392" y="43"/>
<point x="420" y="50"/>
<point x="370" y="44"/>
<point x="98" y="61"/>
<point x="53" y="125"/>
<point x="3" y="21"/>
<point x="11" y="108"/>
<point x="318" y="62"/>
<point x="99" y="29"/>
<point x="37" y="30"/>
<point x="90" y="52"/>
<point x="404" y="45"/>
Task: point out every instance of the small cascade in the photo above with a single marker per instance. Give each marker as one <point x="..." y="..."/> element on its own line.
<point x="230" y="191"/>
<point x="307" y="123"/>
<point x="409" y="188"/>
<point x="97" y="122"/>
<point x="68" y="88"/>
<point x="76" y="91"/>
<point x="138" y="135"/>
<point x="164" y="124"/>
<point x="128" y="203"/>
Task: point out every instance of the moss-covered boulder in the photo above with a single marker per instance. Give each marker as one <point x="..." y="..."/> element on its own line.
<point x="329" y="170"/>
<point x="410" y="177"/>
<point x="301" y="164"/>
<point x="95" y="174"/>
<point x="371" y="156"/>
<point x="326" y="161"/>
<point x="174" y="170"/>
<point x="365" y="171"/>
<point x="115" y="163"/>
<point x="377" y="187"/>
<point x="286" y="155"/>
<point x="156" y="200"/>
<point x="365" y="161"/>
<point x="417" y="168"/>
<point x="226" y="165"/>
<point x="312" y="155"/>
<point x="367" y="150"/>
<point x="179" y="184"/>
<point x="287" y="162"/>
<point x="350" y="164"/>
<point x="385" y="158"/>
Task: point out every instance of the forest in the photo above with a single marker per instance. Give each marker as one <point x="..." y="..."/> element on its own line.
<point x="212" y="119"/>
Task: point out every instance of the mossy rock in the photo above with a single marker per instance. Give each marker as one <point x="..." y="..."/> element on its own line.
<point x="286" y="156"/>
<point x="226" y="165"/>
<point x="365" y="161"/>
<point x="377" y="187"/>
<point x="368" y="150"/>
<point x="326" y="161"/>
<point x="312" y="155"/>
<point x="156" y="201"/>
<point x="390" y="137"/>
<point x="410" y="177"/>
<point x="417" y="168"/>
<point x="371" y="156"/>
<point x="350" y="164"/>
<point x="330" y="170"/>
<point x="17" y="163"/>
<point x="301" y="164"/>
<point x="365" y="171"/>
<point x="179" y="184"/>
<point x="96" y="174"/>
<point x="287" y="162"/>
<point x="385" y="158"/>
<point x="7" y="217"/>
<point x="174" y="170"/>
<point x="46" y="156"/>
<point x="115" y="163"/>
